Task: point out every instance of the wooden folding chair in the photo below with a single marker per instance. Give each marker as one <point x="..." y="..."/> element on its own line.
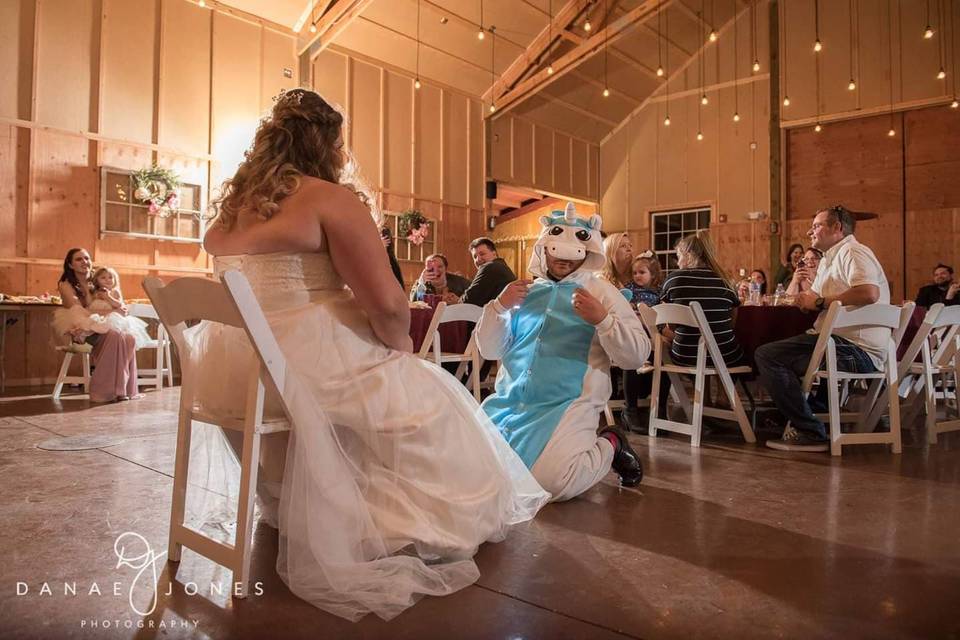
<point x="693" y="316"/>
<point x="825" y="350"/>
<point x="232" y="303"/>
<point x="73" y="349"/>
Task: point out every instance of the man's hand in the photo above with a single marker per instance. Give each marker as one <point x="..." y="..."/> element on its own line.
<point x="807" y="300"/>
<point x="514" y="294"/>
<point x="451" y="298"/>
<point x="953" y="290"/>
<point x="588" y="307"/>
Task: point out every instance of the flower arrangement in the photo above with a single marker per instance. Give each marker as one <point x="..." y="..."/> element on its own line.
<point x="414" y="226"/>
<point x="157" y="187"/>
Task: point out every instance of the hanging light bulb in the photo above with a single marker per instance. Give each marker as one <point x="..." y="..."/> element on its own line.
<point x="493" y="107"/>
<point x="756" y="65"/>
<point x="666" y="121"/>
<point x="817" y="46"/>
<point x="736" y="117"/>
<point x="550" y="70"/>
<point x="416" y="83"/>
<point x="480" y="35"/>
<point x="313" y="27"/>
<point x="852" y="86"/>
<point x="202" y="4"/>
<point x="928" y="32"/>
<point x="703" y="99"/>
<point x="954" y="104"/>
<point x="586" y="25"/>
<point x="818" y="128"/>
<point x="891" y="133"/>
<point x="659" y="72"/>
<point x="606" y="92"/>
<point x="786" y="101"/>
<point x="941" y="74"/>
<point x="699" y="135"/>
<point x="713" y="36"/>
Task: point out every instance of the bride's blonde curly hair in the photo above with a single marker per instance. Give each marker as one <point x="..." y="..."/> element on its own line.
<point x="303" y="136"/>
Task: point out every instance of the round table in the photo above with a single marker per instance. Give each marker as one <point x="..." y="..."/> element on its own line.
<point x="758" y="325"/>
<point x="454" y="336"/>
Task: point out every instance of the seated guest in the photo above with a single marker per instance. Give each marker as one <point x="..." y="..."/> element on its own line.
<point x="618" y="251"/>
<point x="437" y="281"/>
<point x="493" y="274"/>
<point x="805" y="272"/>
<point x="556" y="338"/>
<point x="700" y="278"/>
<point x="785" y="271"/>
<point x="851" y="274"/>
<point x="757" y="276"/>
<point x="387" y="239"/>
<point x="645" y="289"/>
<point x="943" y="290"/>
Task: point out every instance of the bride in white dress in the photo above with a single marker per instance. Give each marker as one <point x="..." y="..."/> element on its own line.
<point x="392" y="476"/>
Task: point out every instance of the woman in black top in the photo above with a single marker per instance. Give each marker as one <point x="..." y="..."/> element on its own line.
<point x="387" y="239"/>
<point x="701" y="278"/>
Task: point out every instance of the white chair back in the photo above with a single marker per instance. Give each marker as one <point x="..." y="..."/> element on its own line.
<point x="431" y="340"/>
<point x="163" y="359"/>
<point x="676" y="314"/>
<point x="232" y="303"/>
<point x="462" y="313"/>
<point x="138" y="310"/>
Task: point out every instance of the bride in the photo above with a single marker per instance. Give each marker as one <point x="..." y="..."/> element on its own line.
<point x="392" y="476"/>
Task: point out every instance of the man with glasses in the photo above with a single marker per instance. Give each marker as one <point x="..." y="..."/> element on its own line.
<point x="850" y="273"/>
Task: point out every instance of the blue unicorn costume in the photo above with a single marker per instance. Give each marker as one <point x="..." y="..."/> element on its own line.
<point x="554" y="378"/>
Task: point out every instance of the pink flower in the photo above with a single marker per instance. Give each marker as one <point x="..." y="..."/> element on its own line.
<point x="153" y="209"/>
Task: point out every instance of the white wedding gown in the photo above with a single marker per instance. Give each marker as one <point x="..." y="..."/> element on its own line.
<point x="392" y="477"/>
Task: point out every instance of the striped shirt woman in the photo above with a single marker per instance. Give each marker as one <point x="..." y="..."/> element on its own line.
<point x="700" y="278"/>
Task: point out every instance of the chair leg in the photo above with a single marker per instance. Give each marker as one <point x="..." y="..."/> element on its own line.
<point x="736" y="405"/>
<point x="86" y="373"/>
<point x="475" y="374"/>
<point x="897" y="444"/>
<point x="930" y="404"/>
<point x="833" y="399"/>
<point x="249" y="469"/>
<point x="698" y="391"/>
<point x="168" y="361"/>
<point x="64" y="368"/>
<point x="159" y="358"/>
<point x="181" y="467"/>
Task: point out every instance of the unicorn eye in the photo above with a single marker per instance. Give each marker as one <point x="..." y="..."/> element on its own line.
<point x="556" y="231"/>
<point x="583" y="235"/>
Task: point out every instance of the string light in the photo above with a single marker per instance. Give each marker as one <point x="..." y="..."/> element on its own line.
<point x="753" y="37"/>
<point x="852" y="86"/>
<point x="666" y="20"/>
<point x="699" y="136"/>
<point x="416" y="81"/>
<point x="313" y="26"/>
<point x="928" y="32"/>
<point x="783" y="23"/>
<point x="606" y="92"/>
<point x="666" y="121"/>
<point x="704" y="100"/>
<point x="736" y="117"/>
<point x="892" y="132"/>
<point x="786" y="101"/>
<point x="493" y="62"/>
<point x="660" y="70"/>
<point x="818" y="128"/>
<point x="549" y="38"/>
<point x="941" y="74"/>
<point x="202" y="4"/>
<point x="713" y="15"/>
<point x="817" y="45"/>
<point x="480" y="35"/>
<point x="550" y="70"/>
<point x="756" y="65"/>
<point x="606" y="46"/>
<point x="954" y="104"/>
<point x="586" y="25"/>
<point x="713" y="36"/>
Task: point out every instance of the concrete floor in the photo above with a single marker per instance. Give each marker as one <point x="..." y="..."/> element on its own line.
<point x="729" y="541"/>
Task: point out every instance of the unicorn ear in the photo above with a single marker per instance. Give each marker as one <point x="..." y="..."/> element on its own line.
<point x="544" y="221"/>
<point x="570" y="213"/>
<point x="595" y="222"/>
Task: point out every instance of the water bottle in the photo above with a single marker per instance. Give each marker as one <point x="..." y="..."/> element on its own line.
<point x="421" y="292"/>
<point x="754" y="293"/>
<point x="779" y="294"/>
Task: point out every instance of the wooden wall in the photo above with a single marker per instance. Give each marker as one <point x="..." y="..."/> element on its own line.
<point x="527" y="154"/>
<point x="415" y="148"/>
<point x="909" y="180"/>
<point x="646" y="166"/>
<point x="123" y="83"/>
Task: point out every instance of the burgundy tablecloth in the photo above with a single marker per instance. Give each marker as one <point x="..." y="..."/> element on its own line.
<point x="919" y="313"/>
<point x="454" y="336"/>
<point x="756" y="326"/>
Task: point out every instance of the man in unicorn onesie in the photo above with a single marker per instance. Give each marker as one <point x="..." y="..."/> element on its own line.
<point x="556" y="338"/>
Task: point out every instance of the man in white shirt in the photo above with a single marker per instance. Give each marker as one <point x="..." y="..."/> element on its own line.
<point x="850" y="273"/>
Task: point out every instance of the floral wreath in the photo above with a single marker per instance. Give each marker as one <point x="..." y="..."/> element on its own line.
<point x="157" y="188"/>
<point x="414" y="226"/>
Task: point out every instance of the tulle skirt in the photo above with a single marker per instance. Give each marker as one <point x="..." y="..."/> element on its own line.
<point x="390" y="478"/>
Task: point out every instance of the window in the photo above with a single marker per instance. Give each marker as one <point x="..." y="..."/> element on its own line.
<point x="403" y="248"/>
<point x="667" y="227"/>
<point x="121" y="214"/>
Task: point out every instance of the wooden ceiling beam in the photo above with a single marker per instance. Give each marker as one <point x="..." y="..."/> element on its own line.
<point x="592" y="46"/>
<point x="531" y="56"/>
<point x="332" y="23"/>
<point x="616" y="53"/>
<point x="566" y="104"/>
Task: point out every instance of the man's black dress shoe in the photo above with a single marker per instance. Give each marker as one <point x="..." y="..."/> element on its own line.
<point x="626" y="462"/>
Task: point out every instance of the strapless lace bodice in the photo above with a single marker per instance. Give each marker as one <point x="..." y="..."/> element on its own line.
<point x="279" y="278"/>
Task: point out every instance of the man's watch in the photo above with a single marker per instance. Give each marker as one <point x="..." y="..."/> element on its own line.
<point x="818" y="303"/>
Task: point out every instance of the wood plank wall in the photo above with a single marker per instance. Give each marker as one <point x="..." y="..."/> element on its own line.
<point x="909" y="180"/>
<point x="124" y="83"/>
<point x="646" y="166"/>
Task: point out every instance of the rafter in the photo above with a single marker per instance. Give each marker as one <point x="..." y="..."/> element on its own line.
<point x="590" y="47"/>
<point x="550" y="97"/>
<point x="339" y="14"/>
<point x="616" y="53"/>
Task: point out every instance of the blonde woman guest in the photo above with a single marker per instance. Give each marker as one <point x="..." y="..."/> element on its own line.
<point x="114" y="353"/>
<point x="619" y="253"/>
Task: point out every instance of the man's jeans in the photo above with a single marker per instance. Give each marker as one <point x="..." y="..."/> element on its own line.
<point x="782" y="365"/>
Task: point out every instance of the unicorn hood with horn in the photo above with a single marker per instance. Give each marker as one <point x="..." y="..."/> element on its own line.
<point x="554" y="378"/>
<point x="566" y="236"/>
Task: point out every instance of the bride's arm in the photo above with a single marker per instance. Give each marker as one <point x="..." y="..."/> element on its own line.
<point x="360" y="259"/>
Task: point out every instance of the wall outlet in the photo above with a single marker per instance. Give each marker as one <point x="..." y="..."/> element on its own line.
<point x="756" y="215"/>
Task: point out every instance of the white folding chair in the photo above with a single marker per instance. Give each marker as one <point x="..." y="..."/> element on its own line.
<point x="619" y="405"/>
<point x="431" y="341"/>
<point x="464" y="313"/>
<point x="230" y="302"/>
<point x="883" y="316"/>
<point x="693" y="316"/>
<point x="161" y="345"/>
<point x="73" y="349"/>
<point x="937" y="342"/>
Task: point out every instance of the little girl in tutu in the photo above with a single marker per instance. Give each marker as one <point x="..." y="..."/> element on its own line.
<point x="108" y="303"/>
